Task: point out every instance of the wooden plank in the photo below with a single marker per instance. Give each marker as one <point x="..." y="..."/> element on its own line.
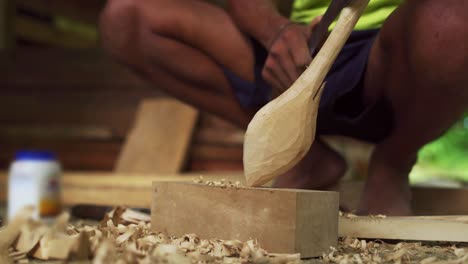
<point x="63" y="87"/>
<point x="32" y="30"/>
<point x="111" y="189"/>
<point x="73" y="154"/>
<point x="33" y="69"/>
<point x="213" y="165"/>
<point x="216" y="152"/>
<point x="206" y="135"/>
<point x="160" y="138"/>
<point x="58" y="132"/>
<point x="283" y="221"/>
<point x="7" y="11"/>
<point x="441" y="228"/>
<point x="3" y="187"/>
<point x="83" y="11"/>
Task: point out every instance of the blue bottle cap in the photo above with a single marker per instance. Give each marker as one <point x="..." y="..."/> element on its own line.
<point x="37" y="155"/>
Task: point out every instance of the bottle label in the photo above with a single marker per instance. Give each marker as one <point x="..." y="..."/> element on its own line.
<point x="49" y="203"/>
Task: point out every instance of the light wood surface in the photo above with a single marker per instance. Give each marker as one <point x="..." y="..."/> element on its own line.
<point x="135" y="189"/>
<point x="283" y="221"/>
<point x="111" y="189"/>
<point x="435" y="228"/>
<point x="160" y="138"/>
<point x="281" y="132"/>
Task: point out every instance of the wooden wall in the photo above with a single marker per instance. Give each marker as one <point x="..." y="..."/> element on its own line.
<point x="59" y="92"/>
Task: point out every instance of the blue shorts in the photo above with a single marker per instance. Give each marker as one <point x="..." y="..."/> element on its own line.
<point x="341" y="110"/>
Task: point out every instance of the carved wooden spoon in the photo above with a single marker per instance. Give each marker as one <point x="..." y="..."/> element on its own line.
<point x="281" y="133"/>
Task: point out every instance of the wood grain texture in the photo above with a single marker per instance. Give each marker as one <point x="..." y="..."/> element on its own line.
<point x="216" y="152"/>
<point x="73" y="154"/>
<point x="112" y="189"/>
<point x="422" y="228"/>
<point x="160" y="138"/>
<point x="7" y="11"/>
<point x="281" y="133"/>
<point x="425" y="200"/>
<point x="62" y="87"/>
<point x="283" y="221"/>
<point x="124" y="189"/>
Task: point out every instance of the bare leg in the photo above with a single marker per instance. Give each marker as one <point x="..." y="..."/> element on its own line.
<point x="420" y="64"/>
<point x="179" y="46"/>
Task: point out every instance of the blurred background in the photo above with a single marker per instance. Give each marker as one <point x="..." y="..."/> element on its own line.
<point x="59" y="92"/>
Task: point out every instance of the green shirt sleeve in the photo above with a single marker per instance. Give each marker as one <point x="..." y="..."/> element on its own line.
<point x="376" y="13"/>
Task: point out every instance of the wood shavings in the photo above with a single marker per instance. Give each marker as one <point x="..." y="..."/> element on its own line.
<point x="351" y="250"/>
<point x="379" y="216"/>
<point x="223" y="183"/>
<point x="347" y="215"/>
<point x="350" y="215"/>
<point x="10" y="233"/>
<point x="123" y="237"/>
<point x="125" y="216"/>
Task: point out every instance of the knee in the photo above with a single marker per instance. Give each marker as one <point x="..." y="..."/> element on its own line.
<point x="118" y="27"/>
<point x="433" y="38"/>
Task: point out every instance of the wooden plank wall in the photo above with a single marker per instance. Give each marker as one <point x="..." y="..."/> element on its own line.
<point x="71" y="102"/>
<point x="60" y="92"/>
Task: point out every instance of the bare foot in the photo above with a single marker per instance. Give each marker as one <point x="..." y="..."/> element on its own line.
<point x="321" y="168"/>
<point x="387" y="191"/>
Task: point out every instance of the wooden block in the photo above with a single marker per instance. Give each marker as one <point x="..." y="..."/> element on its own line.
<point x="159" y="139"/>
<point x="420" y="228"/>
<point x="282" y="220"/>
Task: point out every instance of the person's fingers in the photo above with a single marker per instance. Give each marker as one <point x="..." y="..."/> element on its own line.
<point x="273" y="66"/>
<point x="313" y="24"/>
<point x="289" y="66"/>
<point x="300" y="52"/>
<point x="271" y="79"/>
<point x="281" y="54"/>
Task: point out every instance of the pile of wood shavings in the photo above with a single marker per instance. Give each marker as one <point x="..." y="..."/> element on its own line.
<point x="349" y="215"/>
<point x="351" y="250"/>
<point x="221" y="183"/>
<point x="124" y="236"/>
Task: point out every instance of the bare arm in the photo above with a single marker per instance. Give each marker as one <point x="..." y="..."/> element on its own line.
<point x="286" y="42"/>
<point x="257" y="18"/>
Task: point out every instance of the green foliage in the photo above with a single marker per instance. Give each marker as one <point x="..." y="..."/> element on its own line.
<point x="447" y="155"/>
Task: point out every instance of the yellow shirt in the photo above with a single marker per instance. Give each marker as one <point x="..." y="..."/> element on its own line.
<point x="377" y="11"/>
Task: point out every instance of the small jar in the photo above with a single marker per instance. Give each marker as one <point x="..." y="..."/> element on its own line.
<point x="34" y="179"/>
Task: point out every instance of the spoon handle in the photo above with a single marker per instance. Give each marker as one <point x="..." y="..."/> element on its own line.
<point x="321" y="30"/>
<point x="315" y="74"/>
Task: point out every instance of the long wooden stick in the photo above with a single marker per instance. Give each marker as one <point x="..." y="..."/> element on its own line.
<point x="104" y="188"/>
<point x="435" y="228"/>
